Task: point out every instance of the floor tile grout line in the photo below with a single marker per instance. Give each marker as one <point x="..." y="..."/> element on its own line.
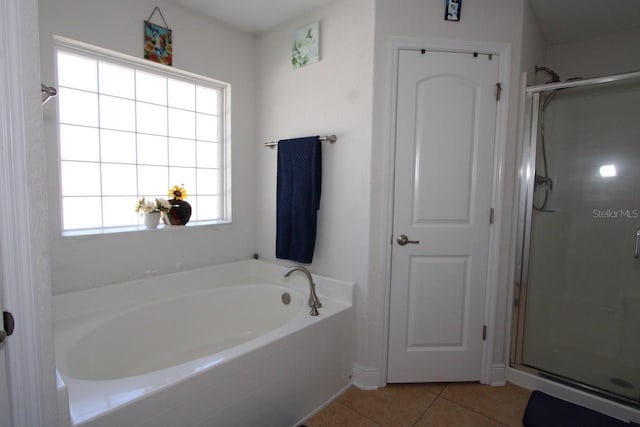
<point x="468" y="408"/>
<point x="446" y="386"/>
<point x="435" y="397"/>
<point x="358" y="412"/>
<point x="425" y="411"/>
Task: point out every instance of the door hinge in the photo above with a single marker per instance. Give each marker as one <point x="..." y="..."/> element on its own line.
<point x="492" y="214"/>
<point x="498" y="91"/>
<point x="484" y="332"/>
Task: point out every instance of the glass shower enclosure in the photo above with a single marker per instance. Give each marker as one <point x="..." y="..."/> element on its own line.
<point x="577" y="291"/>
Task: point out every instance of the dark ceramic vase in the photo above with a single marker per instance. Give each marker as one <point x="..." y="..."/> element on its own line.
<point x="179" y="213"/>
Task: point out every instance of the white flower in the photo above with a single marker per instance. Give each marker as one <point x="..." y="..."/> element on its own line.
<point x="163" y="204"/>
<point x="144" y="206"/>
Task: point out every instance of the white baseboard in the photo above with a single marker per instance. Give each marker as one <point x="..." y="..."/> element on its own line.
<point x="498" y="374"/>
<point x="365" y="378"/>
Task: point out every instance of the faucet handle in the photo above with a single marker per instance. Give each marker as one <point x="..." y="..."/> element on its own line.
<point x="313" y="297"/>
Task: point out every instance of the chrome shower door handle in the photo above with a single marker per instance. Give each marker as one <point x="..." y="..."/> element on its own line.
<point x="636" y="252"/>
<point x="403" y="240"/>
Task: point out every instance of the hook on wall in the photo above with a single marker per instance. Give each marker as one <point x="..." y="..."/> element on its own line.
<point x="48" y="92"/>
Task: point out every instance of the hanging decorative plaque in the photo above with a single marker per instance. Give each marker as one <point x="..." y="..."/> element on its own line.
<point x="305" y="47"/>
<point x="158" y="46"/>
<point x="452" y="10"/>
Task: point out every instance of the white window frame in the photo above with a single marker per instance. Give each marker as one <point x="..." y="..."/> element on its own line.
<point x="98" y="53"/>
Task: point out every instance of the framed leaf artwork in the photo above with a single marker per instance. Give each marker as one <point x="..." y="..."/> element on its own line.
<point x="305" y="47"/>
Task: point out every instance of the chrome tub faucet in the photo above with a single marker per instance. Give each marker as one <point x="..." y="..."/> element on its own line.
<point x="314" y="302"/>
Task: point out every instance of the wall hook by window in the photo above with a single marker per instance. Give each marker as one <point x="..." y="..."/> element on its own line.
<point x="48" y="92"/>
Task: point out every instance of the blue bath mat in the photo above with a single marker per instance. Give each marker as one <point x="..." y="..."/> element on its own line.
<point x="544" y="410"/>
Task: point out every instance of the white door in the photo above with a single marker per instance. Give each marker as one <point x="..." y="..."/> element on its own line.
<point x="445" y="135"/>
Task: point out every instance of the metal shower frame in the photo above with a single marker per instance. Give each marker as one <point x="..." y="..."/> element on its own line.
<point x="525" y="207"/>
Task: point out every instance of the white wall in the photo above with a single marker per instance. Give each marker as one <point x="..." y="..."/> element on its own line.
<point x="490" y="20"/>
<point x="534" y="44"/>
<point x="200" y="45"/>
<point x="331" y="96"/>
<point x="346" y="93"/>
<point x="533" y="53"/>
<point x="599" y="56"/>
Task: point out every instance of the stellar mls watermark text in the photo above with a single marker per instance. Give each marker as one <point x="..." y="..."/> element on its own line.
<point x="616" y="213"/>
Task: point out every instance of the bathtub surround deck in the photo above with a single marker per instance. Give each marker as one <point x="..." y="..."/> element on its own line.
<point x="290" y="364"/>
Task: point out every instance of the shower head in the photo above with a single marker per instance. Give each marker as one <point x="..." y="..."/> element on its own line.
<point x="555" y="78"/>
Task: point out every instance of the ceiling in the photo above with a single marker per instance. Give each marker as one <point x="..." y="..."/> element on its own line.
<point x="561" y="20"/>
<point x="254" y="16"/>
<point x="568" y="20"/>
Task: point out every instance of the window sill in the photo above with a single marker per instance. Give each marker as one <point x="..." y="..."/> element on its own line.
<point x="138" y="228"/>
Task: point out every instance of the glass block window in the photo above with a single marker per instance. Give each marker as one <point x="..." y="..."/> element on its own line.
<point x="128" y="129"/>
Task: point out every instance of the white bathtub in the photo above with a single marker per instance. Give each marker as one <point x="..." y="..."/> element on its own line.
<point x="209" y="347"/>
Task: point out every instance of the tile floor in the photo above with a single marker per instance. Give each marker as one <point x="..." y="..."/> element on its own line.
<point x="420" y="405"/>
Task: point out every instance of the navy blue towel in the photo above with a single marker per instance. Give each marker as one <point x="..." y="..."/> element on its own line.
<point x="544" y="410"/>
<point x="298" y="198"/>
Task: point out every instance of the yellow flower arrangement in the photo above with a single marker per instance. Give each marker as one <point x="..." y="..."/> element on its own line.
<point x="178" y="192"/>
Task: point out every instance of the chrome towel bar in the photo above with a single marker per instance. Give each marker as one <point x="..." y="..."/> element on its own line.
<point x="330" y="138"/>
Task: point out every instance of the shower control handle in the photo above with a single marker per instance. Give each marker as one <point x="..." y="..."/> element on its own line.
<point x="636" y="252"/>
<point x="403" y="240"/>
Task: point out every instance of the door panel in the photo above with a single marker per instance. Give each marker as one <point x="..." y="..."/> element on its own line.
<point x="445" y="133"/>
<point x="447" y="159"/>
<point x="441" y="283"/>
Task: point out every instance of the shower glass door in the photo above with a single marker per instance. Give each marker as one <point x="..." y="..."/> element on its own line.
<point x="581" y="316"/>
